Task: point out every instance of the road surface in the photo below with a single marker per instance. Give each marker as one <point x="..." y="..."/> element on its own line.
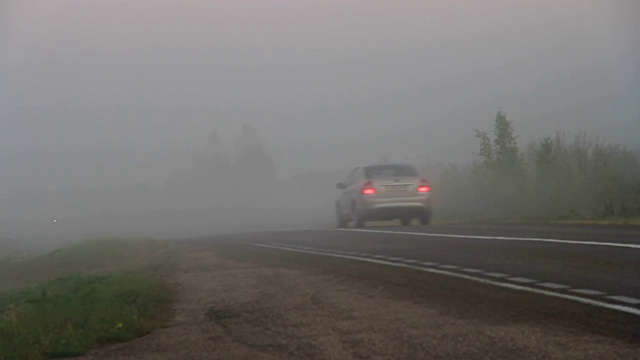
<point x="438" y="292"/>
<point x="594" y="265"/>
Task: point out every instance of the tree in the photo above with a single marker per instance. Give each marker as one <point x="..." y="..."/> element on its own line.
<point x="486" y="148"/>
<point x="505" y="144"/>
<point x="214" y="147"/>
<point x="252" y="159"/>
<point x="213" y="165"/>
<point x="500" y="175"/>
<point x="551" y="178"/>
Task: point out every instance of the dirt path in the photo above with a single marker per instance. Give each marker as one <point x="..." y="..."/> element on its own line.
<point x="231" y="310"/>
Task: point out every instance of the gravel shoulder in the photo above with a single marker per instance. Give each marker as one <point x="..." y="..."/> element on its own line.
<point x="229" y="308"/>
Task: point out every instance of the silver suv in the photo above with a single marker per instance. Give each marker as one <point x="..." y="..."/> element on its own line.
<point x="383" y="192"/>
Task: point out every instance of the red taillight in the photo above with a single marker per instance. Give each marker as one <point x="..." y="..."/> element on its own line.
<point x="424" y="187"/>
<point x="368" y="189"/>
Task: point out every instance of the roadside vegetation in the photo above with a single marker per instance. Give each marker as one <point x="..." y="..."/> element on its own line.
<point x="566" y="177"/>
<point x="66" y="302"/>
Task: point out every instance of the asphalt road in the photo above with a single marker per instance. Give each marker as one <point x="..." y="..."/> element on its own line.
<point x="596" y="265"/>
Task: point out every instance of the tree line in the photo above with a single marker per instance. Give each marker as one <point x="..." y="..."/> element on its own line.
<point x="562" y="175"/>
<point x="245" y="159"/>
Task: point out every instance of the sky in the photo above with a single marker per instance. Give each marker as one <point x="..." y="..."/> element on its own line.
<point x="107" y="81"/>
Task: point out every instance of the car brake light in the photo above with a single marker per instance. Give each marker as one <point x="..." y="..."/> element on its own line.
<point x="368" y="189"/>
<point x="424" y="187"/>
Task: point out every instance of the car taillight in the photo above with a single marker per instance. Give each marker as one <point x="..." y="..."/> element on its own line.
<point x="368" y="189"/>
<point x="424" y="187"/>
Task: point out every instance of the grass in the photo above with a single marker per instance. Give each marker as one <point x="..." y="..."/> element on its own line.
<point x="90" y="258"/>
<point x="66" y="302"/>
<point x="69" y="316"/>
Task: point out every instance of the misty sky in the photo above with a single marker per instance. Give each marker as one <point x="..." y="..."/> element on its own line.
<point x="158" y="75"/>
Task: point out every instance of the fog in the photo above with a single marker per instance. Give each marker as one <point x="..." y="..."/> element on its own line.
<point x="109" y="108"/>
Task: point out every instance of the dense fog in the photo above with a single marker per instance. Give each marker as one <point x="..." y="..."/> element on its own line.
<point x="175" y="118"/>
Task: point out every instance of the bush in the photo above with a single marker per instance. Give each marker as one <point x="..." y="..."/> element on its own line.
<point x="559" y="176"/>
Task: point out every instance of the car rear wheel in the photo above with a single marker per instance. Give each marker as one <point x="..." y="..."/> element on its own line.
<point x="405" y="221"/>
<point x="358" y="220"/>
<point x="425" y="219"/>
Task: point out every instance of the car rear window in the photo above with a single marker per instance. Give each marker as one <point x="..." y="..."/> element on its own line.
<point x="389" y="171"/>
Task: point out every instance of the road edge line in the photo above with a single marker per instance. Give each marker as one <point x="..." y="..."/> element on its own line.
<point x="620" y="308"/>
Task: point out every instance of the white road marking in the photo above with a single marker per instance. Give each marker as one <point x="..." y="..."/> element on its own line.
<point x="496" y="275"/>
<point x="621" y="308"/>
<point x="411" y="261"/>
<point x="522" y="280"/>
<point x="427" y="263"/>
<point x="554" y="285"/>
<point x="503" y="238"/>
<point x="472" y="270"/>
<point x="626" y="299"/>
<point x="587" y="292"/>
<point x="449" y="267"/>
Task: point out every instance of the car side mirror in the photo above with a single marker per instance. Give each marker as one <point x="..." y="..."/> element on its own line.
<point x="341" y="186"/>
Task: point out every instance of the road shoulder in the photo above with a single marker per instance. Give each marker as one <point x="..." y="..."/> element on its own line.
<point x="234" y="307"/>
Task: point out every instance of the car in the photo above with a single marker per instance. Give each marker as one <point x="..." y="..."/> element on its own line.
<point x="383" y="192"/>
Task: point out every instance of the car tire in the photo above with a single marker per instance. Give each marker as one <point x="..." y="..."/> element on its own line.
<point x="358" y="220"/>
<point x="425" y="219"/>
<point x="405" y="221"/>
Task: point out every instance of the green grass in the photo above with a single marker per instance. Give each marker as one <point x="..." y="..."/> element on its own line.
<point x="68" y="317"/>
<point x="97" y="292"/>
<point x="91" y="257"/>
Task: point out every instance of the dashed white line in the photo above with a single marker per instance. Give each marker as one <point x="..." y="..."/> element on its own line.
<point x="551" y="285"/>
<point x="587" y="292"/>
<point x="411" y="261"/>
<point x="625" y="299"/>
<point x="496" y="275"/>
<point x="449" y="267"/>
<point x="502" y="238"/>
<point x="522" y="280"/>
<point x="621" y="308"/>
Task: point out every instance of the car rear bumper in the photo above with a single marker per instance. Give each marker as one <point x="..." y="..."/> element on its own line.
<point x="379" y="208"/>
